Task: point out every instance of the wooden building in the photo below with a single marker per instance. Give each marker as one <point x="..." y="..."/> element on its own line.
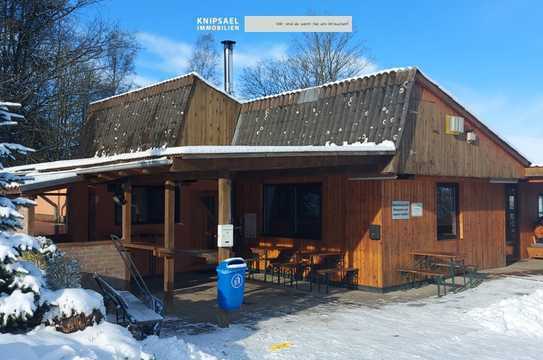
<point x="376" y="167"/>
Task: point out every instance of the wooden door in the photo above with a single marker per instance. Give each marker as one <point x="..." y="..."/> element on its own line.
<point x="512" y="219"/>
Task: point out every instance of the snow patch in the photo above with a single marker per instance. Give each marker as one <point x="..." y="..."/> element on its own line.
<point x="105" y="341"/>
<point x="74" y="301"/>
<point x="521" y="315"/>
<point x="17" y="305"/>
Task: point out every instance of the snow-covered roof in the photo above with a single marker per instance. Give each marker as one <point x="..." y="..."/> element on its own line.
<point x="331" y="83"/>
<point x="193" y="73"/>
<point x="49" y="174"/>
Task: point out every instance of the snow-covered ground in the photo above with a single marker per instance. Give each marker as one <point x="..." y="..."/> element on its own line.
<point x="501" y="319"/>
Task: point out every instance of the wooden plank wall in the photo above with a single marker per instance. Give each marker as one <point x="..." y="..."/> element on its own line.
<point x="363" y="207"/>
<point x="348" y="207"/>
<point x="438" y="154"/>
<point x="529" y="193"/>
<point x="481" y="229"/>
<point x="211" y="117"/>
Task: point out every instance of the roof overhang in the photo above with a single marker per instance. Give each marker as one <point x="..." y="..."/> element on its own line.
<point x="208" y="160"/>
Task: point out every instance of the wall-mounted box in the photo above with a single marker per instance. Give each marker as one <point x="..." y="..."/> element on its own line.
<point x="225" y="235"/>
<point x="471" y="137"/>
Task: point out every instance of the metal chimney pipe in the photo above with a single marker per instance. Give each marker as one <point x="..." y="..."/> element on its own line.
<point x="228" y="65"/>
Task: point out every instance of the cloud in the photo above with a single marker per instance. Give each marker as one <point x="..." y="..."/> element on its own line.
<point x="141" y="81"/>
<point x="164" y="54"/>
<point x="518" y="119"/>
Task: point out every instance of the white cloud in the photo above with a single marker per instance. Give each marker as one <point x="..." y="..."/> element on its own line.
<point x="164" y="54"/>
<point x="141" y="81"/>
<point x="518" y="119"/>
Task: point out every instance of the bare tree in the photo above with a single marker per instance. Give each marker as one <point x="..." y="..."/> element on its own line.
<point x="54" y="65"/>
<point x="205" y="57"/>
<point x="313" y="59"/>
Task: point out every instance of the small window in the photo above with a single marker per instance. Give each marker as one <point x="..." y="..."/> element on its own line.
<point x="447" y="211"/>
<point x="148" y="206"/>
<point x="293" y="210"/>
<point x="540" y="206"/>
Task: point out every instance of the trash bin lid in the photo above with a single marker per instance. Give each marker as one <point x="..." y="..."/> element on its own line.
<point x="232" y="263"/>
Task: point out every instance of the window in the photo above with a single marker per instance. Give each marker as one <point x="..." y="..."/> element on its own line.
<point x="447" y="211"/>
<point x="540" y="206"/>
<point x="293" y="210"/>
<point x="147" y="206"/>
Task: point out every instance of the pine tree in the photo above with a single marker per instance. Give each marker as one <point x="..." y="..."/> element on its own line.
<point x="21" y="279"/>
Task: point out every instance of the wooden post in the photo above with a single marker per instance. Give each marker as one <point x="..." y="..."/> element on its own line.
<point x="169" y="239"/>
<point x="29" y="214"/>
<point x="127" y="213"/>
<point x="225" y="212"/>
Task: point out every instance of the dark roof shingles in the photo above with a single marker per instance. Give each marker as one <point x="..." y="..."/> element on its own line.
<point x="364" y="109"/>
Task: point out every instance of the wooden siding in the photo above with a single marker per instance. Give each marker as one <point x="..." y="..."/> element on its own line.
<point x="363" y="208"/>
<point x="528" y="205"/>
<point x="481" y="224"/>
<point x="211" y="118"/>
<point x="348" y="207"/>
<point x="435" y="153"/>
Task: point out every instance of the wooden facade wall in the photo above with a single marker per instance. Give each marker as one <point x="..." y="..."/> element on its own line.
<point x="481" y="224"/>
<point x="348" y="207"/>
<point x="435" y="153"/>
<point x="211" y="117"/>
<point x="528" y="199"/>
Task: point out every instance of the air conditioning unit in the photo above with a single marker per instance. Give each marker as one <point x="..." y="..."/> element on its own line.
<point x="454" y="125"/>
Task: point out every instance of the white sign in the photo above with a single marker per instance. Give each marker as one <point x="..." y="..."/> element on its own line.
<point x="416" y="209"/>
<point x="225" y="235"/>
<point x="400" y="210"/>
<point x="298" y="23"/>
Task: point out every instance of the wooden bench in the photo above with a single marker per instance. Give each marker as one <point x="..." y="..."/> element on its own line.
<point x="438" y="276"/>
<point x="130" y="310"/>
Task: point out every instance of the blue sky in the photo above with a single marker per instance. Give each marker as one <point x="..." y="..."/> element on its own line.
<point x="489" y="54"/>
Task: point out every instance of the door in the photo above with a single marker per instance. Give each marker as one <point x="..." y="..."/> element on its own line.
<point x="512" y="220"/>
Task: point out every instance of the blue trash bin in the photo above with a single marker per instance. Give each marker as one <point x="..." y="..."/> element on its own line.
<point x="231" y="283"/>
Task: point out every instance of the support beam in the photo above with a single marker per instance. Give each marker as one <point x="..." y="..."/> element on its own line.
<point x="225" y="212"/>
<point x="127" y="212"/>
<point x="126" y="218"/>
<point x="169" y="238"/>
<point x="29" y="214"/>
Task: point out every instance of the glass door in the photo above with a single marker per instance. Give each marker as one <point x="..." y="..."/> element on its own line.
<point x="512" y="218"/>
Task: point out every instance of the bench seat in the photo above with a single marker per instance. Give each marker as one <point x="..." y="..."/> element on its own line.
<point x="137" y="310"/>
<point x="425" y="272"/>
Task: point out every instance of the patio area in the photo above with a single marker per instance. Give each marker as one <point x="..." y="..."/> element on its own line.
<point x="194" y="306"/>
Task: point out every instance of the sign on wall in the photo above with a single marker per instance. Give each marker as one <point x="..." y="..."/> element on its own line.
<point x="225" y="235"/>
<point x="416" y="209"/>
<point x="400" y="210"/>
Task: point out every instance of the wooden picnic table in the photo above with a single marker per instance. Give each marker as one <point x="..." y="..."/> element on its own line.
<point x="451" y="256"/>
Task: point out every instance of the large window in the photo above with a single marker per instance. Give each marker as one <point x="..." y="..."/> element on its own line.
<point x="147" y="205"/>
<point x="540" y="206"/>
<point x="447" y="211"/>
<point x="293" y="210"/>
